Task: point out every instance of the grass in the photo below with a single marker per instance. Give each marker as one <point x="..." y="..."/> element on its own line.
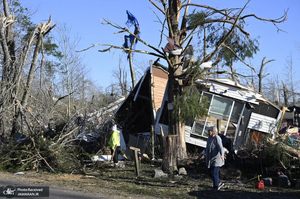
<point x="193" y="185"/>
<point x="102" y="179"/>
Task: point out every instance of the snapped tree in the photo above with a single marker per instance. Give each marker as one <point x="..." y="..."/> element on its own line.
<point x="18" y="38"/>
<point x="180" y="28"/>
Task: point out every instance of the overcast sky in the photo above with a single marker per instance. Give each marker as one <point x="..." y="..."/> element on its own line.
<point x="84" y="19"/>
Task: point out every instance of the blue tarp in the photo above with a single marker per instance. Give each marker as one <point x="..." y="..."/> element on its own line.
<point x="131" y="21"/>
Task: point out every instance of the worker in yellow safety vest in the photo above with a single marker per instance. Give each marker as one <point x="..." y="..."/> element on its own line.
<point x="114" y="143"/>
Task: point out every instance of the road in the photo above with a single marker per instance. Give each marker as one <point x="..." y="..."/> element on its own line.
<point x="54" y="193"/>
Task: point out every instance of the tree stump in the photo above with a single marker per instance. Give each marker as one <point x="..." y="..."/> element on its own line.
<point x="169" y="157"/>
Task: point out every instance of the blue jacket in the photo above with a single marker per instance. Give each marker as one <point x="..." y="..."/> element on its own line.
<point x="214" y="150"/>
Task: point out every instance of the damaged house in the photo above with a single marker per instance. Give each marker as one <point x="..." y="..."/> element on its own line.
<point x="242" y="115"/>
<point x="137" y="114"/>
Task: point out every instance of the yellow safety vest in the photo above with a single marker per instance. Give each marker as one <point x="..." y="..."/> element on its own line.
<point x="114" y="139"/>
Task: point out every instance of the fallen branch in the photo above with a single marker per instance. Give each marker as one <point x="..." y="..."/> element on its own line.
<point x="45" y="162"/>
<point x="67" y="134"/>
<point x="62" y="98"/>
<point x="282" y="164"/>
<point x="291" y="150"/>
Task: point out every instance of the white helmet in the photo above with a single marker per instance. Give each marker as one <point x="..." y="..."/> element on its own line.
<point x="114" y="128"/>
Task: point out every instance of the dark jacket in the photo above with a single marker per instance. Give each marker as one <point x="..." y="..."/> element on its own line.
<point x="214" y="150"/>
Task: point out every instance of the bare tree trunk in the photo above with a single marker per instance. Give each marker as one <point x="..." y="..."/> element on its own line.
<point x="291" y="79"/>
<point x="175" y="127"/>
<point x="72" y="69"/>
<point x="232" y="71"/>
<point x="32" y="68"/>
<point x="43" y="29"/>
<point x="11" y="69"/>
<point x="83" y="91"/>
<point x="9" y="56"/>
<point x="132" y="72"/>
<point x="286" y="103"/>
<point x="16" y="121"/>
<point x="170" y="160"/>
<point x="260" y="75"/>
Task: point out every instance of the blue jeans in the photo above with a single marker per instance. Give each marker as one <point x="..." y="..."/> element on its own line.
<point x="214" y="174"/>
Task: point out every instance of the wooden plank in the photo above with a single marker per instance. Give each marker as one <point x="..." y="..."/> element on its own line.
<point x="136" y="160"/>
<point x="134" y="148"/>
<point x="137" y="165"/>
<point x="152" y="142"/>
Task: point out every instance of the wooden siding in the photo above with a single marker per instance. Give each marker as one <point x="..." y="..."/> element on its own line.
<point x="191" y="140"/>
<point x="262" y="123"/>
<point x="159" y="83"/>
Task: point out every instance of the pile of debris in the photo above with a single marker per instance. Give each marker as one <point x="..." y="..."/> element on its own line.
<point x="291" y="136"/>
<point x="59" y="147"/>
<point x="271" y="159"/>
<point x="89" y="130"/>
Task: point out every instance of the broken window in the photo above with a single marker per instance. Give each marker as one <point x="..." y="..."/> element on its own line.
<point x="234" y="119"/>
<point x="199" y="123"/>
<point x="226" y="110"/>
<point x="266" y="109"/>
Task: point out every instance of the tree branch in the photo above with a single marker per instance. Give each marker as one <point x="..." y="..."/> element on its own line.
<point x="279" y="20"/>
<point x="62" y="98"/>
<point x="155" y="5"/>
<point x="219" y="21"/>
<point x="163" y="26"/>
<point x="231" y="19"/>
<point x="126" y="49"/>
<point x="161" y="54"/>
<point x="222" y="12"/>
<point x="184" y="18"/>
<point x="238" y="57"/>
<point x="209" y="56"/>
<point x="131" y="33"/>
<point x="4" y="41"/>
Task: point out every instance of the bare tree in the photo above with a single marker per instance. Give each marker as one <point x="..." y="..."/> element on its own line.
<point x="272" y="89"/>
<point x="15" y="57"/>
<point x="121" y="77"/>
<point x="285" y="94"/>
<point x="260" y="74"/>
<point x="72" y="68"/>
<point x="290" y="79"/>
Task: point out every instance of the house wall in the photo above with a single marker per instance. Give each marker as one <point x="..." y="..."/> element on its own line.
<point x="159" y="83"/>
<point x="253" y="137"/>
<point x="262" y="123"/>
<point x="193" y="140"/>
